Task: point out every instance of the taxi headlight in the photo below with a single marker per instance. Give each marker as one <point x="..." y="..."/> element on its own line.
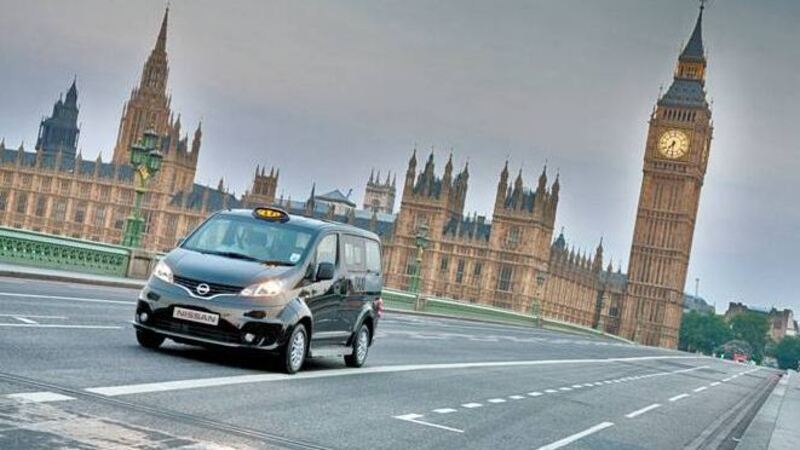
<point x="163" y="272"/>
<point x="266" y="289"/>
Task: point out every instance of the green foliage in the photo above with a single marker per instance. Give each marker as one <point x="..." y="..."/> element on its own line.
<point x="787" y="352"/>
<point x="752" y="328"/>
<point x="703" y="332"/>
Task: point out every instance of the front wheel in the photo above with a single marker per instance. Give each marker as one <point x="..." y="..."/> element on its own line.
<point x="294" y="353"/>
<point x="360" y="348"/>
<point x="148" y="339"/>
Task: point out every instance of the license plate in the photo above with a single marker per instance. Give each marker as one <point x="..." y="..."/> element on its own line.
<point x="195" y="316"/>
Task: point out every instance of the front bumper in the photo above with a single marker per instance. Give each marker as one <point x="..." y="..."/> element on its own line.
<point x="238" y="316"/>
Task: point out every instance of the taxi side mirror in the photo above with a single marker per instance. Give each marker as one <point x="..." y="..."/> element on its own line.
<point x="180" y="241"/>
<point x="325" y="271"/>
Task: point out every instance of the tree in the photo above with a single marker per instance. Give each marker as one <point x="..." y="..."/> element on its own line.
<point x="787" y="352"/>
<point x="703" y="332"/>
<point x="752" y="328"/>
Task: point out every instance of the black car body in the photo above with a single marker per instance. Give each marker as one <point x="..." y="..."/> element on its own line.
<point x="256" y="279"/>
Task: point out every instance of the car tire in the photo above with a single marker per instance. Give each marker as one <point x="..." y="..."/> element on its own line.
<point x="360" y="348"/>
<point x="148" y="339"/>
<point x="295" y="351"/>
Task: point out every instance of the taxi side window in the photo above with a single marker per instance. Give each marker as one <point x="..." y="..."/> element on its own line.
<point x="354" y="254"/>
<point x="326" y="250"/>
<point x="373" y="256"/>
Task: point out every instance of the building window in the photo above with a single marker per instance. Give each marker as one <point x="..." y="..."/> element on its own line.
<point x="504" y="280"/>
<point x="99" y="216"/>
<point x="119" y="218"/>
<point x="60" y="210"/>
<point x="41" y="206"/>
<point x="3" y="200"/>
<point x="411" y="264"/>
<point x="22" y="202"/>
<point x="85" y="190"/>
<point x="45" y="184"/>
<point x="80" y="213"/>
<point x="460" y="271"/>
<point x="65" y="185"/>
<point x="27" y="181"/>
<point x="444" y="264"/>
<point x="8" y="178"/>
<point x="513" y="236"/>
<point x="476" y="273"/>
<point x="105" y="193"/>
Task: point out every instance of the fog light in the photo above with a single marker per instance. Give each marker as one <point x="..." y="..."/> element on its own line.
<point x="143" y="317"/>
<point x="249" y="337"/>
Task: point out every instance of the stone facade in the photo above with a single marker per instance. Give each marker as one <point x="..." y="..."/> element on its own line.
<point x="379" y="195"/>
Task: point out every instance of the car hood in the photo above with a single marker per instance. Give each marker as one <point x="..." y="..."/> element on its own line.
<point x="221" y="270"/>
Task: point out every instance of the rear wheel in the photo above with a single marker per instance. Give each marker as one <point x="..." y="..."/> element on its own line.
<point x="360" y="348"/>
<point x="148" y="339"/>
<point x="294" y="353"/>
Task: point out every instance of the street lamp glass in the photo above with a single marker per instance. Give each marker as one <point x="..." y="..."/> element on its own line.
<point x="154" y="159"/>
<point x="138" y="154"/>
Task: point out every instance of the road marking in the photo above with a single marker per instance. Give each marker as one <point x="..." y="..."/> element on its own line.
<point x="534" y="394"/>
<point x="700" y="389"/>
<point x="550" y="391"/>
<point x="727" y="379"/>
<point x="414" y="418"/>
<point x="259" y="378"/>
<point x="471" y="405"/>
<point x="26" y="320"/>
<point x="444" y="410"/>
<point x="570" y="439"/>
<point x="44" y="325"/>
<point x="639" y="412"/>
<point x="716" y="383"/>
<point x="588" y="384"/>
<point x="678" y="397"/>
<point x="564" y="389"/>
<point x="599" y="383"/>
<point x="39" y="397"/>
<point x="577" y="386"/>
<point x="60" y="297"/>
<point x="16" y="316"/>
<point x="496" y="400"/>
<point x="516" y="397"/>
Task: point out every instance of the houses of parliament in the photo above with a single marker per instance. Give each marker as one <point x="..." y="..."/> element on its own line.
<point x="514" y="259"/>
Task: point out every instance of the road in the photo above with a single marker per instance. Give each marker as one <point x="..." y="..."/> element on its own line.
<point x="72" y="375"/>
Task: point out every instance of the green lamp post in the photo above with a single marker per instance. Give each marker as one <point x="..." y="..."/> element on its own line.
<point x="421" y="242"/>
<point x="536" y="305"/>
<point x="146" y="161"/>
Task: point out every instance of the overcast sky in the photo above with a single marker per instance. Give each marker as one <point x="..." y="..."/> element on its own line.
<point x="327" y="90"/>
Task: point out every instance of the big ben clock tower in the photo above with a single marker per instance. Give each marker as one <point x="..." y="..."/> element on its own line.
<point x="675" y="160"/>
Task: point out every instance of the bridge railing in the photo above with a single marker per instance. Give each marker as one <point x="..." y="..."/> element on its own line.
<point x="454" y="308"/>
<point x="30" y="248"/>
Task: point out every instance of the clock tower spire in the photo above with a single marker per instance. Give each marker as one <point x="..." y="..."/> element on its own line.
<point x="675" y="160"/>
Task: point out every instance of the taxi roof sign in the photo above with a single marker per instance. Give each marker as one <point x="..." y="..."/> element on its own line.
<point x="271" y="214"/>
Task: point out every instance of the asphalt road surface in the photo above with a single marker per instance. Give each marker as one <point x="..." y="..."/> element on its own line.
<point x="72" y="376"/>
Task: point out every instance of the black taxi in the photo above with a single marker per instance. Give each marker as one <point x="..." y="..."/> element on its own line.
<point x="264" y="279"/>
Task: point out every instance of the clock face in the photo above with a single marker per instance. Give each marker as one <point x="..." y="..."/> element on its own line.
<point x="673" y="144"/>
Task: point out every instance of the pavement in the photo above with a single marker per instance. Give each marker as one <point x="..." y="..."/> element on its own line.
<point x="777" y="424"/>
<point x="72" y="376"/>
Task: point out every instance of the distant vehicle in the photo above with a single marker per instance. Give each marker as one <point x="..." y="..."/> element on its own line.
<point x="263" y="279"/>
<point x="740" y="358"/>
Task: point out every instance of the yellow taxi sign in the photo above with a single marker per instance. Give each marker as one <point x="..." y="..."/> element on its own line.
<point x="273" y="214"/>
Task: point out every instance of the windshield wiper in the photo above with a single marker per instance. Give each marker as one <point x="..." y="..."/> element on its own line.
<point x="233" y="255"/>
<point x="276" y="262"/>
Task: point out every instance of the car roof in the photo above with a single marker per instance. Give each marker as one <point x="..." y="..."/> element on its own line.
<point x="311" y="223"/>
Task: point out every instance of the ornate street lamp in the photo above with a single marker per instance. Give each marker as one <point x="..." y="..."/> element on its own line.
<point x="536" y="306"/>
<point x="146" y="160"/>
<point x="421" y="242"/>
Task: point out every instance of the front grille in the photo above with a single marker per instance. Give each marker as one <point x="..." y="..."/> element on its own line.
<point x="213" y="288"/>
<point x="223" y="332"/>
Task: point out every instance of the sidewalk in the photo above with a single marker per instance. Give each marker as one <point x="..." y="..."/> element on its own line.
<point x="777" y="424"/>
<point x="35" y="273"/>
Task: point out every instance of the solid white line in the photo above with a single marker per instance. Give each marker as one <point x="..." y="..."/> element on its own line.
<point x="32" y="316"/>
<point x="414" y="418"/>
<point x="678" y="397"/>
<point x="259" y="378"/>
<point x="39" y="397"/>
<point x="44" y="325"/>
<point x="570" y="439"/>
<point x="26" y="320"/>
<point x="471" y="405"/>
<point x="639" y="412"/>
<point x="444" y="410"/>
<point x="60" y="297"/>
<point x="700" y="389"/>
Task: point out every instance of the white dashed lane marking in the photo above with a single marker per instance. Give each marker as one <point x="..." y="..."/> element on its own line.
<point x="414" y="418"/>
<point x="444" y="410"/>
<point x="39" y="397"/>
<point x="678" y="397"/>
<point x="701" y="389"/>
<point x="639" y="412"/>
<point x="577" y="436"/>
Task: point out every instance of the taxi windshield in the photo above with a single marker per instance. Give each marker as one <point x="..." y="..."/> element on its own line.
<point x="251" y="239"/>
